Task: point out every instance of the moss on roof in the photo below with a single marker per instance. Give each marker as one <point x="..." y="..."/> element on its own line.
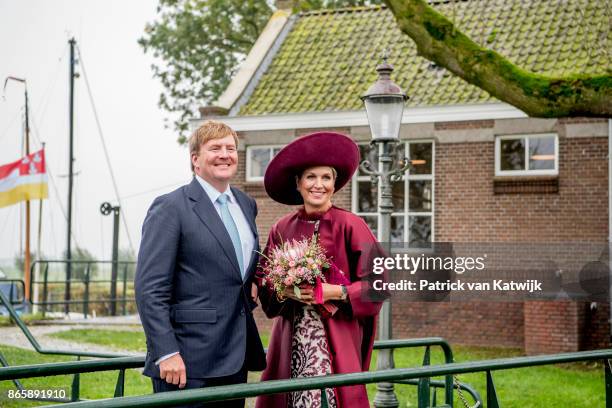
<point x="328" y="58"/>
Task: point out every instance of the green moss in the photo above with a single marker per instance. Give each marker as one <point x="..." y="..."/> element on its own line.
<point x="331" y="57"/>
<point x="491" y="36"/>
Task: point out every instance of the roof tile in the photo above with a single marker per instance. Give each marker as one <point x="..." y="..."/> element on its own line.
<point x="328" y="58"/>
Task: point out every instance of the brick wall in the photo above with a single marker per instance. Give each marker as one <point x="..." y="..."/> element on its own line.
<point x="468" y="210"/>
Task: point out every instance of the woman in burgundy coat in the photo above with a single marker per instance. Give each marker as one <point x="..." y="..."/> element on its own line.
<point x="305" y="343"/>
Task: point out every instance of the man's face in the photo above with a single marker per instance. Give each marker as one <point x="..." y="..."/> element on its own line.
<point x="217" y="161"/>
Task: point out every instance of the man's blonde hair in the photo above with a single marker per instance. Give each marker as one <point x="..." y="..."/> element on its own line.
<point x="209" y="130"/>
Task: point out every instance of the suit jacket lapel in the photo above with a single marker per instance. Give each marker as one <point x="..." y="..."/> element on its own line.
<point x="246" y="210"/>
<point x="206" y="212"/>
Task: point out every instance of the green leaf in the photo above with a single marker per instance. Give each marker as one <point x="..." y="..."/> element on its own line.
<point x="296" y="290"/>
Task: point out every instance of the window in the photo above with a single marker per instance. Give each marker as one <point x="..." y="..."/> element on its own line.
<point x="413" y="196"/>
<point x="527" y="155"/>
<point x="257" y="160"/>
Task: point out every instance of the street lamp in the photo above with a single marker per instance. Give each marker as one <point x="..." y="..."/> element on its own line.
<point x="384" y="103"/>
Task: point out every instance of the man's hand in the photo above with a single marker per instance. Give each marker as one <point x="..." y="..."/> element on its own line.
<point x="254" y="292"/>
<point x="173" y="371"/>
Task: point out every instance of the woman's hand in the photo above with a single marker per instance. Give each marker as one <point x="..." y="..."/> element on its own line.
<point x="306" y="294"/>
<point x="331" y="292"/>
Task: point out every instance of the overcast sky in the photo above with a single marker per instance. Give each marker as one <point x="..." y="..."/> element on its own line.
<point x="144" y="156"/>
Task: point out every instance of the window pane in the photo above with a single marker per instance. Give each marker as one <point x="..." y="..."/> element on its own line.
<point x="259" y="161"/>
<point x="372" y="221"/>
<point x="542" y="153"/>
<point x="364" y="152"/>
<point x="512" y="154"/>
<point x="419" y="195"/>
<point x="397" y="229"/>
<point x="398" y="196"/>
<point x="420" y="231"/>
<point x="367" y="200"/>
<point x="421" y="158"/>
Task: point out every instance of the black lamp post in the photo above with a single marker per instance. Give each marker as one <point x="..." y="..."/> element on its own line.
<point x="384" y="103"/>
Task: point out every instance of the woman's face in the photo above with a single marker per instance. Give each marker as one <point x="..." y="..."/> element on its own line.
<point x="316" y="185"/>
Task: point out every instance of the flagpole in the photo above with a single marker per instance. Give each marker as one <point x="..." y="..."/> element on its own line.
<point x="27" y="261"/>
<point x="72" y="42"/>
<point x="26" y="265"/>
<point x="38" y="246"/>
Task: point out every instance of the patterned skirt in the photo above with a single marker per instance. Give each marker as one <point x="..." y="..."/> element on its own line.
<point x="310" y="357"/>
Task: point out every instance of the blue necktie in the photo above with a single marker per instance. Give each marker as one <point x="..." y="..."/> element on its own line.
<point x="232" y="230"/>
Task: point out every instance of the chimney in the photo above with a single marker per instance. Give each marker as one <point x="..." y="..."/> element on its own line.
<point x="284" y="4"/>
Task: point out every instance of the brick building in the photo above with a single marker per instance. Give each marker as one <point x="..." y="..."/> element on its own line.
<point x="486" y="172"/>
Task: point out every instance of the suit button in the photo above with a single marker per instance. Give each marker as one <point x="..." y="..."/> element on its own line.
<point x="241" y="312"/>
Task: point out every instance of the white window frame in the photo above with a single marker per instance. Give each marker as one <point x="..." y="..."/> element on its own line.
<point x="526" y="172"/>
<point x="249" y="159"/>
<point x="407" y="177"/>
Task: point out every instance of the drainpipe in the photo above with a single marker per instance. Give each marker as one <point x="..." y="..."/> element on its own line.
<point x="610" y="223"/>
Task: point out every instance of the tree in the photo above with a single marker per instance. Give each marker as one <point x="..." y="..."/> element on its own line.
<point x="199" y="45"/>
<point x="438" y="40"/>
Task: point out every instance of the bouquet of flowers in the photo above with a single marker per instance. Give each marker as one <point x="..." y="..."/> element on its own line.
<point x="295" y="263"/>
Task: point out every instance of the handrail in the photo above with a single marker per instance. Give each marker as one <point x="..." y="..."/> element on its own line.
<point x="70" y="367"/>
<point x="124" y="362"/>
<point x="229" y="392"/>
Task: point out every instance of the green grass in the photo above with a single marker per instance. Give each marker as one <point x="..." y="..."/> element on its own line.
<point x="114" y="339"/>
<point x="570" y="385"/>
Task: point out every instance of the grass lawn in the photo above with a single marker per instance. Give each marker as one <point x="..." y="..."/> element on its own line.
<point x="116" y="339"/>
<point x="569" y="385"/>
<point x="93" y="385"/>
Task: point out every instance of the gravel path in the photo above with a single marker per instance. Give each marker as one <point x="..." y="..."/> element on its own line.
<point x="13" y="336"/>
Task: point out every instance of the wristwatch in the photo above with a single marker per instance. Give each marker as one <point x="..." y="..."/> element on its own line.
<point x="344" y="293"/>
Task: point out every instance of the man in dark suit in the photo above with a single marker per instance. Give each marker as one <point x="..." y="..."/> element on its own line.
<point x="194" y="280"/>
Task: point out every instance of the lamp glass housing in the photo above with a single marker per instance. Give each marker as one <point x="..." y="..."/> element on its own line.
<point x="384" y="115"/>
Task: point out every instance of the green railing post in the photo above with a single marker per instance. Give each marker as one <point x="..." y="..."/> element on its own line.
<point x="608" y="380"/>
<point x="324" y="403"/>
<point x="125" y="270"/>
<point x="492" y="401"/>
<point x="45" y="289"/>
<point x="120" y="386"/>
<point x="423" y="387"/>
<point x="76" y="386"/>
<point x="86" y="294"/>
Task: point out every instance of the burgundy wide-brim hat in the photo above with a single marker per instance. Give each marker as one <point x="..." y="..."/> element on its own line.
<point x="317" y="149"/>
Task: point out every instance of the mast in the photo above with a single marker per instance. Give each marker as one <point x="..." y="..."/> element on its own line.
<point x="72" y="43"/>
<point x="27" y="260"/>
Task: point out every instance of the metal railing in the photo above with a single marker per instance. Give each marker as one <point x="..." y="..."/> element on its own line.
<point x="37" y="347"/>
<point x="138" y="362"/>
<point x="238" y="391"/>
<point x="86" y="281"/>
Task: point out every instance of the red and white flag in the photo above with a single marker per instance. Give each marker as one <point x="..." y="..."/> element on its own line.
<point x="25" y="179"/>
